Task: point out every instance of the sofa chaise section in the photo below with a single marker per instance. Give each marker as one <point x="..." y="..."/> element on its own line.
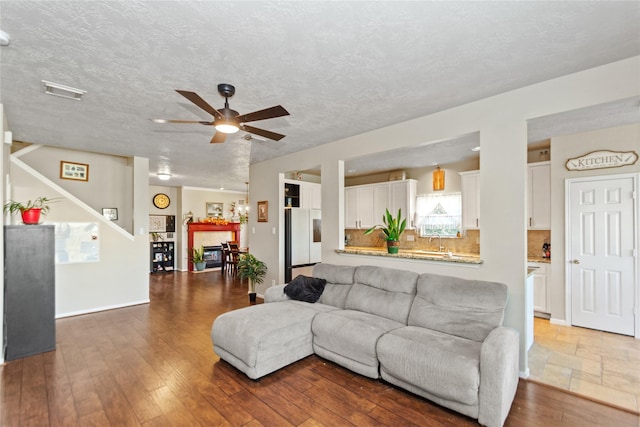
<point x="263" y="338"/>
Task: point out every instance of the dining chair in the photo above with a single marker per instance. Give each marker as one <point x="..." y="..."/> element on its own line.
<point x="225" y="256"/>
<point x="234" y="252"/>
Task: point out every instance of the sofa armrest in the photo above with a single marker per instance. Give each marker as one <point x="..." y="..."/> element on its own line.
<point x="499" y="368"/>
<point x="275" y="294"/>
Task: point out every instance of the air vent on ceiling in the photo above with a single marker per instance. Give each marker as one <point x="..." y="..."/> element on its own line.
<point x="63" y="91"/>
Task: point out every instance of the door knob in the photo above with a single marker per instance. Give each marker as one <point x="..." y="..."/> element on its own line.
<point x="575" y="261"/>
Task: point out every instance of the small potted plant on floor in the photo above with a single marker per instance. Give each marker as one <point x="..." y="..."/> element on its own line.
<point x="392" y="228"/>
<point x="31" y="210"/>
<point x="197" y="256"/>
<point x="249" y="267"/>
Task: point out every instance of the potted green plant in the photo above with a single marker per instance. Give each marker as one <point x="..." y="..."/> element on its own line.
<point x="392" y="228"/>
<point x="249" y="267"/>
<point x="197" y="257"/>
<point x="31" y="210"/>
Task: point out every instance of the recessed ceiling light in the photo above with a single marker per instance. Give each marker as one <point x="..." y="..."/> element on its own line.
<point x="63" y="91"/>
<point x="476" y="148"/>
<point x="164" y="176"/>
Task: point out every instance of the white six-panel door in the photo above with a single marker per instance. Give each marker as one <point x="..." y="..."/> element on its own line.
<point x="601" y="254"/>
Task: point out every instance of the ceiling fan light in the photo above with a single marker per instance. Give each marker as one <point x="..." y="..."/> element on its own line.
<point x="225" y="126"/>
<point x="164" y="176"/>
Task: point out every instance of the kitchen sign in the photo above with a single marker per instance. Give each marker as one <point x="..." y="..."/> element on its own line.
<point x="602" y="159"/>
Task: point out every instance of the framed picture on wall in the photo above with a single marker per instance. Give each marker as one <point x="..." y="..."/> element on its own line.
<point x="214" y="209"/>
<point x="263" y="211"/>
<point x="74" y="171"/>
<point x="110" y="213"/>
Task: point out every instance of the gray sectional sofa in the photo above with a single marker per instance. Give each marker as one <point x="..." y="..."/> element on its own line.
<point x="439" y="337"/>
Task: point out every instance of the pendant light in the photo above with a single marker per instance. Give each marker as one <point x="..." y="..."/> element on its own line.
<point x="438" y="179"/>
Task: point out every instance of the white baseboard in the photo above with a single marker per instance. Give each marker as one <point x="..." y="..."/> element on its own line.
<point x="558" y="322"/>
<point x="98" y="309"/>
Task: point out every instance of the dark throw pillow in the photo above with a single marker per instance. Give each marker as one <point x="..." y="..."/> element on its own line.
<point x="303" y="288"/>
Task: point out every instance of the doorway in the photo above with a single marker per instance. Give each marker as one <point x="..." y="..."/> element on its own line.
<point x="601" y="252"/>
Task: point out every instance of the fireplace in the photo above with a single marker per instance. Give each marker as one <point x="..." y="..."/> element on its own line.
<point x="213" y="256"/>
<point x="232" y="229"/>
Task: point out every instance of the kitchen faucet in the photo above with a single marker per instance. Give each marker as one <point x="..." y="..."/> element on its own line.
<point x="440" y="247"/>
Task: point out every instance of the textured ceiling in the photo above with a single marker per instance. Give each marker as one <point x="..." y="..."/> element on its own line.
<point x="339" y="68"/>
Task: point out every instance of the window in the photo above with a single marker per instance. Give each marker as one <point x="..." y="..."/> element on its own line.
<point x="439" y="214"/>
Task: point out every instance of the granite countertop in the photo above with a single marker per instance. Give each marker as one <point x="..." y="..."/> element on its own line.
<point x="413" y="254"/>
<point x="539" y="259"/>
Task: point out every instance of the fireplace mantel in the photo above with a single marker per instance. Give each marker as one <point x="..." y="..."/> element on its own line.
<point x="194" y="227"/>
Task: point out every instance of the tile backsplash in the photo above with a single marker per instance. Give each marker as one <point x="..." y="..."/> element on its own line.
<point x="535" y="240"/>
<point x="469" y="243"/>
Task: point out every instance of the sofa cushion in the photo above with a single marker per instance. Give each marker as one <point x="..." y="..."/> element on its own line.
<point x="266" y="333"/>
<point x="303" y="288"/>
<point x="339" y="280"/>
<point x="383" y="291"/>
<point x="465" y="308"/>
<point x="441" y="364"/>
<point x="351" y="334"/>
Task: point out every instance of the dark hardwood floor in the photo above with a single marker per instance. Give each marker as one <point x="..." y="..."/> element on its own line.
<point x="153" y="365"/>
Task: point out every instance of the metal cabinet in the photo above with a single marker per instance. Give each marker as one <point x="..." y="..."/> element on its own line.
<point x="29" y="290"/>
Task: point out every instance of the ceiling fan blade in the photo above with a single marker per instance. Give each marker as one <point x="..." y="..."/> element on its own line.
<point x="267" y="113"/>
<point x="218" y="137"/>
<point x="188" y="121"/>
<point x="195" y="98"/>
<point x="262" y="132"/>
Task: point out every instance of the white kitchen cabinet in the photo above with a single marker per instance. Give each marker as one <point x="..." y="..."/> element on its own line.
<point x="402" y="195"/>
<point x="539" y="195"/>
<point x="539" y="278"/>
<point x="380" y="203"/>
<point x="314" y="195"/>
<point x="470" y="183"/>
<point x="359" y="204"/>
<point x="365" y="205"/>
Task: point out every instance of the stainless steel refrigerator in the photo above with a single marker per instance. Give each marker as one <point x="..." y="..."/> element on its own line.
<point x="302" y="232"/>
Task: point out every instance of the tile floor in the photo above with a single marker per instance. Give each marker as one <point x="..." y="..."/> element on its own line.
<point x="599" y="365"/>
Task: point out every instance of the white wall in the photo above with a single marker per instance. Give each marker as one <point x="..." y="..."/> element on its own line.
<point x="501" y="121"/>
<point x="624" y="138"/>
<point x="120" y="278"/>
<point x="192" y="199"/>
<point x="110" y="178"/>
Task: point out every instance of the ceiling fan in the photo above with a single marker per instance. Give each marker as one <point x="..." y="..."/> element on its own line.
<point x="226" y="120"/>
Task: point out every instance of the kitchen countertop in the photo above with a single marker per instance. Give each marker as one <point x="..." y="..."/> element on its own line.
<point x="539" y="259"/>
<point x="412" y="254"/>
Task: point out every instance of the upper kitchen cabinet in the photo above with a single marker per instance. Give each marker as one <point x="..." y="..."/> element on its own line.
<point x="365" y="205"/>
<point x="302" y="194"/>
<point x="470" y="184"/>
<point x="360" y="206"/>
<point x="402" y="195"/>
<point x="291" y="195"/>
<point x="311" y="195"/>
<point x="539" y="195"/>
